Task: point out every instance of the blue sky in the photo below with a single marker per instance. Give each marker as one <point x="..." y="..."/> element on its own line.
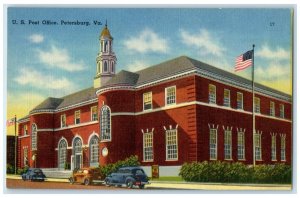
<point x="54" y="60"/>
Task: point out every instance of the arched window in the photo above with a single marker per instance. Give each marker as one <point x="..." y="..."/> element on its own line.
<point x="62" y="153"/>
<point x="77" y="153"/>
<point x="33" y="137"/>
<point x="105" y="46"/>
<point x="112" y="67"/>
<point x="105" y="66"/>
<point x="105" y="123"/>
<point x="77" y="146"/>
<point x="94" y="151"/>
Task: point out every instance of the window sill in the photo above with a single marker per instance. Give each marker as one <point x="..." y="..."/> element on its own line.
<point x="283" y="160"/>
<point x="274" y="160"/>
<point x="145" y="110"/>
<point x="228" y="159"/>
<point x="171" y="160"/>
<point x="170" y="105"/>
<point x="241" y="159"/>
<point x="259" y="160"/>
<point x="213" y="159"/>
<point x="148" y="161"/>
<point x="105" y="141"/>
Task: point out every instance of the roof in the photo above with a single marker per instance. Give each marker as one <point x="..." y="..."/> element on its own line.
<point x="105" y="33"/>
<point x="178" y="66"/>
<point x="74" y="98"/>
<point x="157" y="72"/>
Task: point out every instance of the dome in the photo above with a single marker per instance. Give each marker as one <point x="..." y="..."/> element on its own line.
<point x="105" y="33"/>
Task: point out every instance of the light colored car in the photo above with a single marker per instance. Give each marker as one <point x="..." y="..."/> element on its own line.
<point x="85" y="176"/>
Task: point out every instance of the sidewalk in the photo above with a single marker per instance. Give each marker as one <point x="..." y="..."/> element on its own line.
<point x="195" y="185"/>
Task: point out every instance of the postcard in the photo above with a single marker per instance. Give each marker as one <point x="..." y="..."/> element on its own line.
<point x="137" y="99"/>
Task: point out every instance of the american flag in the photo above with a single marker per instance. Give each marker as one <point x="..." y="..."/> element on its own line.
<point x="243" y="61"/>
<point x="10" y="122"/>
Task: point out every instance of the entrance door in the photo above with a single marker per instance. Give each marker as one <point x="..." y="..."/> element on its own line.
<point x="78" y="160"/>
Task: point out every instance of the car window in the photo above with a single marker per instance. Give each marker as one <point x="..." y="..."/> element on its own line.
<point x="139" y="172"/>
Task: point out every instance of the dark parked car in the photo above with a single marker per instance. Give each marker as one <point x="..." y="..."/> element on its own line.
<point x="130" y="176"/>
<point x="85" y="176"/>
<point x="34" y="174"/>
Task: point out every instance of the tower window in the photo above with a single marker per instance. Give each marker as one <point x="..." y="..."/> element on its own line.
<point x="105" y="46"/>
<point x="105" y="66"/>
<point x="33" y="137"/>
<point x="112" y="67"/>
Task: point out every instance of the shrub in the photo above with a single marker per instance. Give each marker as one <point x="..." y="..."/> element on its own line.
<point x="10" y="169"/>
<point x="235" y="172"/>
<point x="109" y="168"/>
<point x="20" y="171"/>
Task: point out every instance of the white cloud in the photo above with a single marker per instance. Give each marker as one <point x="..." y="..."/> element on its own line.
<point x="36" y="38"/>
<point x="42" y="81"/>
<point x="277" y="53"/>
<point x="137" y="65"/>
<point x="273" y="71"/>
<point x="59" y="58"/>
<point x="147" y="41"/>
<point x="203" y="41"/>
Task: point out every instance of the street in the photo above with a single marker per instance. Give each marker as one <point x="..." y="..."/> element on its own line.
<point x="20" y="184"/>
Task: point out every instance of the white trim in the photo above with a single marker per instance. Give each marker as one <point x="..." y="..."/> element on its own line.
<point x="45" y="130"/>
<point x="23" y="136"/>
<point x="123" y="114"/>
<point x="77" y="136"/>
<point x="61" y="139"/>
<point x="23" y="120"/>
<point x="75" y="126"/>
<point x="166" y="89"/>
<point x="92" y="135"/>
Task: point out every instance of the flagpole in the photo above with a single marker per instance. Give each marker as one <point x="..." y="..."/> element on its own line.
<point x="15" y="144"/>
<point x="253" y="107"/>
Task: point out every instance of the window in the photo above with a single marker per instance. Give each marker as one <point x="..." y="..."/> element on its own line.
<point x="213" y="144"/>
<point x="281" y="110"/>
<point x="148" y="146"/>
<point x="77" y="146"/>
<point x="282" y="148"/>
<point x="94" y="113"/>
<point x="227" y="145"/>
<point x="77" y="117"/>
<point x="258" y="146"/>
<point x="33" y="137"/>
<point x="226" y="98"/>
<point x="147" y="100"/>
<point x="170" y="95"/>
<point x="112" y="67"/>
<point x="25" y="157"/>
<point x="25" y="130"/>
<point x="62" y="153"/>
<point x="105" y="123"/>
<point x="241" y="145"/>
<point x="240" y="103"/>
<point x="94" y="151"/>
<point x="63" y="122"/>
<point x="212" y="94"/>
<point x="171" y="144"/>
<point x="272" y="108"/>
<point x="105" y="66"/>
<point x="273" y="148"/>
<point x="257" y="105"/>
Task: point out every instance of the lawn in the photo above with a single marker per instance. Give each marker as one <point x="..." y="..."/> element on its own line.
<point x="179" y="179"/>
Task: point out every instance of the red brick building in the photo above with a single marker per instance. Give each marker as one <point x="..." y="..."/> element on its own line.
<point x="181" y="110"/>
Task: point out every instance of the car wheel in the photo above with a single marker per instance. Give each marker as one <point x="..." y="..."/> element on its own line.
<point x="87" y="182"/>
<point x="107" y="182"/>
<point x="142" y="186"/>
<point x="23" y="178"/>
<point x="129" y="183"/>
<point x="71" y="180"/>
